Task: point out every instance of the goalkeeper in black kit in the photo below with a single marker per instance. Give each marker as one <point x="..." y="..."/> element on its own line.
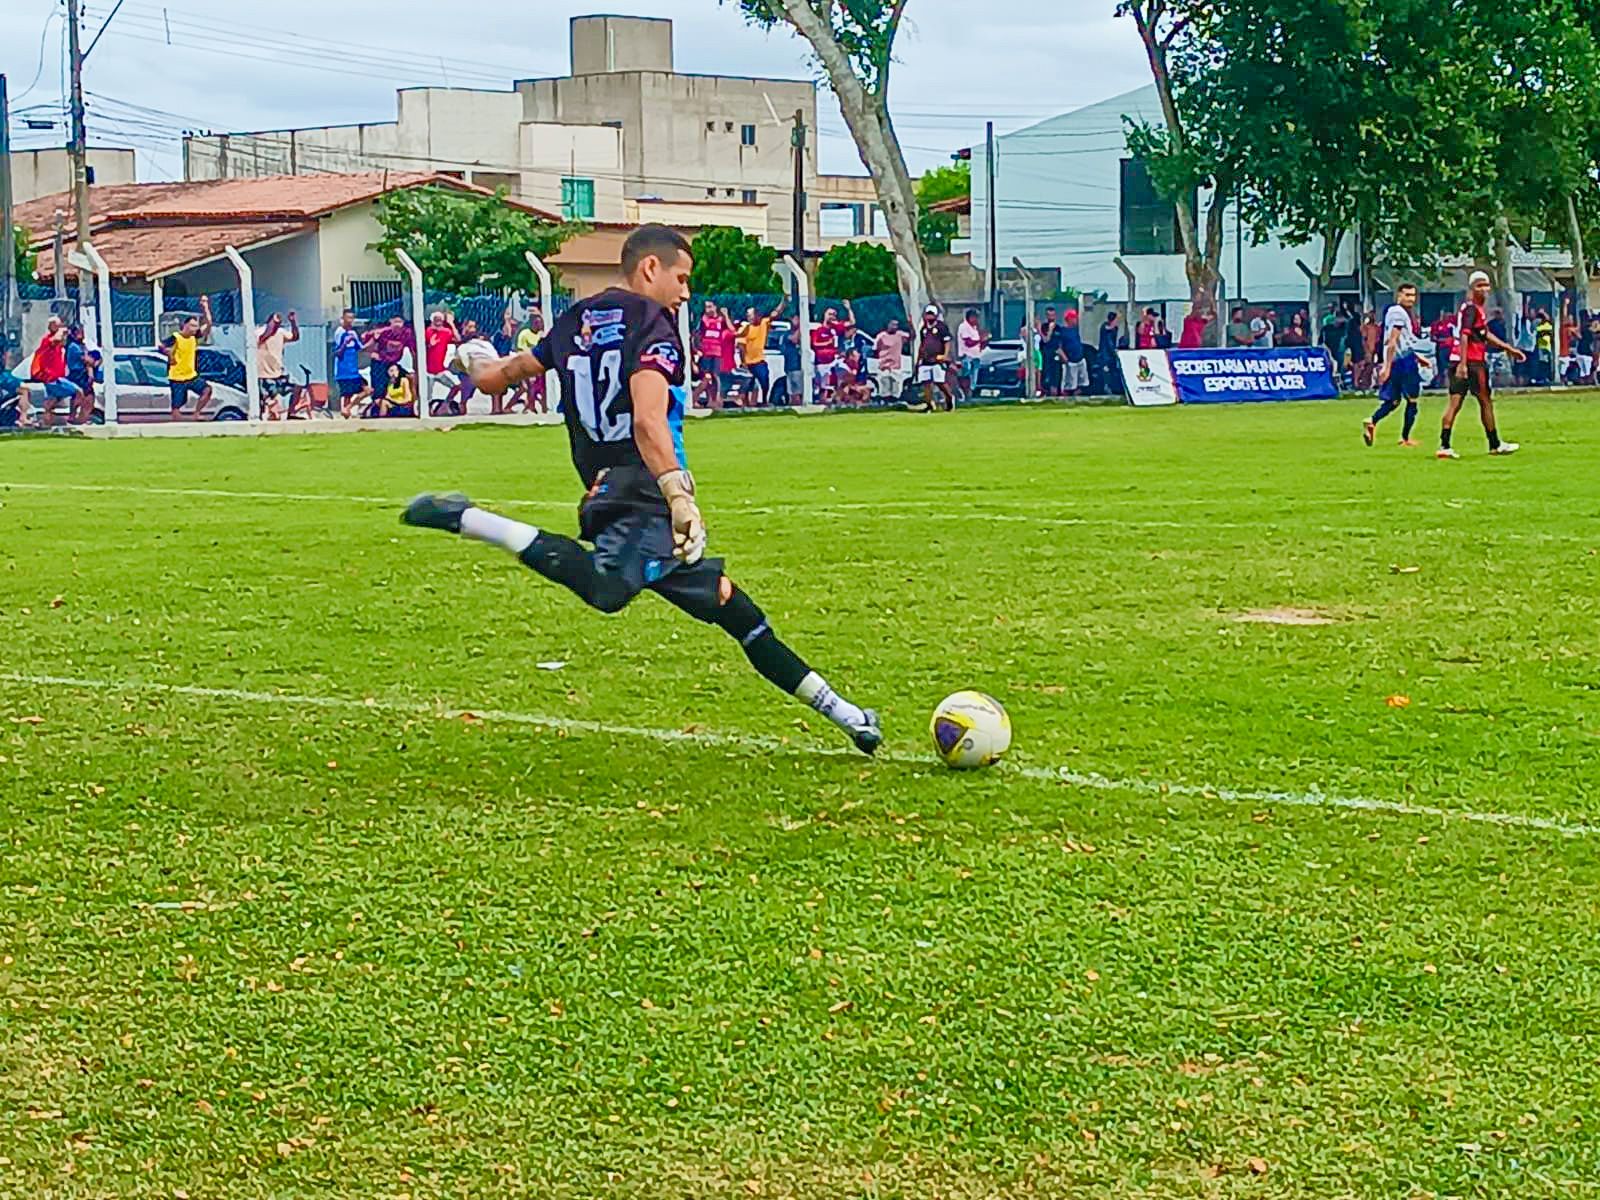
<point x="621" y="366"/>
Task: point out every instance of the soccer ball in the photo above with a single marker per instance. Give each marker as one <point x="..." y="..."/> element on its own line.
<point x="970" y="730"/>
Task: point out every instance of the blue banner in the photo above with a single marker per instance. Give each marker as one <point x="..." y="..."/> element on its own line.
<point x="1235" y="376"/>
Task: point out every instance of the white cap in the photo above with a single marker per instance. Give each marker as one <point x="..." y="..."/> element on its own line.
<point x="1479" y="277"/>
<point x="931" y="311"/>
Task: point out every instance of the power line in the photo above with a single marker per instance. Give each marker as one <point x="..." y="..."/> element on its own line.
<point x="44" y="36"/>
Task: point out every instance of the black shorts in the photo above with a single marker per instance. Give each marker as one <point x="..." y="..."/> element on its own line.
<point x="630" y="525"/>
<point x="1475" y="384"/>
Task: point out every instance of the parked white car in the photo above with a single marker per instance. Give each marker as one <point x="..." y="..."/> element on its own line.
<point x="143" y="393"/>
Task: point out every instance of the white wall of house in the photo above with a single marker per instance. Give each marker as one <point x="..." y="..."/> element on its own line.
<point x="1058" y="192"/>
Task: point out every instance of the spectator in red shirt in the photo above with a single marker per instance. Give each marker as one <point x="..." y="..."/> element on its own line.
<point x="1443" y="333"/>
<point x="825" y="351"/>
<point x="49" y="367"/>
<point x="1193" y="334"/>
<point x="1296" y="334"/>
<point x="1470" y="373"/>
<point x="708" y="352"/>
<point x="1145" y="333"/>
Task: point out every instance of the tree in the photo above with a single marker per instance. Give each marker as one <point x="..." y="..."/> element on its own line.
<point x="853" y="41"/>
<point x="27" y="260"/>
<point x="465" y="242"/>
<point x="937" y="230"/>
<point x="852" y="270"/>
<point x="729" y="261"/>
<point x="1179" y="165"/>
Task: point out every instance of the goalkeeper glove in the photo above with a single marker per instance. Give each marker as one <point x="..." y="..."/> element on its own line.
<point x="688" y="526"/>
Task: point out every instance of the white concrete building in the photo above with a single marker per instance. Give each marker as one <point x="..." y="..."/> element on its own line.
<point x="477" y="136"/>
<point x="1069" y="195"/>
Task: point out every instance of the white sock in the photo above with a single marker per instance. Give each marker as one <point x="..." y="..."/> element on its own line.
<point x="815" y="691"/>
<point x="497" y="530"/>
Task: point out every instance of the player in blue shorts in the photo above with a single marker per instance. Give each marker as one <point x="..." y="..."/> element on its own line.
<point x="624" y="390"/>
<point x="1400" y="376"/>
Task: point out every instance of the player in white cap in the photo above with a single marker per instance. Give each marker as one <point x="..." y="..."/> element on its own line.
<point x="1469" y="371"/>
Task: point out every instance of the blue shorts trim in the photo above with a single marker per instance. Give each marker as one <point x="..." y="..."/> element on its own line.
<point x="349" y="388"/>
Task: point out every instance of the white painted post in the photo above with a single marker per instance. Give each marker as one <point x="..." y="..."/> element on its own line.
<point x="1030" y="334"/>
<point x="419" y="323"/>
<point x="1127" y="316"/>
<point x="158" y="301"/>
<point x="88" y="257"/>
<point x="684" y="310"/>
<point x="552" y="380"/>
<point x="247" y="299"/>
<point x="788" y="268"/>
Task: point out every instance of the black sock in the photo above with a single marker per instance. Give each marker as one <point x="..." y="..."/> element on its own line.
<point x="1444" y="438"/>
<point x="1494" y="438"/>
<point x="1383" y="410"/>
<point x="777" y="664"/>
<point x="1411" y="419"/>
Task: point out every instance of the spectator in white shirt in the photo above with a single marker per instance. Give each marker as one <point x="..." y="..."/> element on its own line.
<point x="969" y="348"/>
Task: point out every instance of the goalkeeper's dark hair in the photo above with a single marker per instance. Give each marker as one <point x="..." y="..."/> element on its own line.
<point x="652" y="241"/>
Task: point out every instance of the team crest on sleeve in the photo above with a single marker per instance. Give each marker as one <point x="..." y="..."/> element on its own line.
<point x="664" y="356"/>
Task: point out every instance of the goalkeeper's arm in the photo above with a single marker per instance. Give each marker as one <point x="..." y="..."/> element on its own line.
<point x="653" y="436"/>
<point x="497" y="376"/>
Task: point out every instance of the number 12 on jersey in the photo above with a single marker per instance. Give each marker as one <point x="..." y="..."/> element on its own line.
<point x="602" y="423"/>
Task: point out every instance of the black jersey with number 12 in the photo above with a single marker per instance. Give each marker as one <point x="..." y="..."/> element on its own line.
<point x="597" y="346"/>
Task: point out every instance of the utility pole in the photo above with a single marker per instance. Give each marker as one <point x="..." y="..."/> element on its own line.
<point x="60" y="259"/>
<point x="80" y="136"/>
<point x="992" y="280"/>
<point x="10" y="304"/>
<point x="798" y="140"/>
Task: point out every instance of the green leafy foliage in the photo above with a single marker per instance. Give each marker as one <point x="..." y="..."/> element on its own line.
<point x="864" y="29"/>
<point x="26" y="260"/>
<point x="855" y="269"/>
<point x="937" y="230"/>
<point x="465" y="242"/>
<point x="728" y="260"/>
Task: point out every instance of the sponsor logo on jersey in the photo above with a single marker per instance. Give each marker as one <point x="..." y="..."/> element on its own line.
<point x="664" y="356"/>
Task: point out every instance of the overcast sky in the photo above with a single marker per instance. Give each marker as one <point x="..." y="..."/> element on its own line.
<point x="245" y="64"/>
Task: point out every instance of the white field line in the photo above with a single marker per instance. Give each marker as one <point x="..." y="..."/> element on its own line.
<point x="880" y="511"/>
<point x="1266" y="798"/>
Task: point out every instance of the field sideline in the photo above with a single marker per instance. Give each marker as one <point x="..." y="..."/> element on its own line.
<point x="344" y="858"/>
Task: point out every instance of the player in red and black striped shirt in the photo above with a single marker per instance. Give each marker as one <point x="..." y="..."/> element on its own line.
<point x="1470" y="368"/>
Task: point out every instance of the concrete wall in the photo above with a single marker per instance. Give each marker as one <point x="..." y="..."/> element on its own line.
<point x="36" y="173"/>
<point x="476" y="134"/>
<point x="552" y="152"/>
<point x="681" y="134"/>
<point x="1058" y="192"/>
<point x="607" y="43"/>
<point x="286" y="277"/>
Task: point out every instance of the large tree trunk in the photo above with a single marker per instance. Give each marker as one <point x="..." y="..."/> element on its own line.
<point x="1331" y="241"/>
<point x="1580" y="263"/>
<point x="1505" y="281"/>
<point x="866" y="112"/>
<point x="1201" y="265"/>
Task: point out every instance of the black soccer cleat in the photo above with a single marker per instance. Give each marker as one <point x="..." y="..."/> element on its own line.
<point x="429" y="511"/>
<point x="869" y="736"/>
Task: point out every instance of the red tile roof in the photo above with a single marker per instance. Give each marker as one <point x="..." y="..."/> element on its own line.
<point x="147" y="250"/>
<point x="275" y="199"/>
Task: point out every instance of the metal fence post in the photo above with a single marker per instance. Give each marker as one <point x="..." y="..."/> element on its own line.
<point x="789" y="268"/>
<point x="87" y="257"/>
<point x="419" y="322"/>
<point x="1030" y="334"/>
<point x="247" y="302"/>
<point x="552" y="379"/>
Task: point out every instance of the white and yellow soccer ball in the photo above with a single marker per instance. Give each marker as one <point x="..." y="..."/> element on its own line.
<point x="970" y="730"/>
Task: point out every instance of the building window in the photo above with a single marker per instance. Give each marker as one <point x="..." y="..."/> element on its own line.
<point x="747" y="135"/>
<point x="1149" y="223"/>
<point x="749" y="197"/>
<point x="577" y="199"/>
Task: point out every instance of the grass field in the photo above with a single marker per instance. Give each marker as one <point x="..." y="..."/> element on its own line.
<point x="1311" y="912"/>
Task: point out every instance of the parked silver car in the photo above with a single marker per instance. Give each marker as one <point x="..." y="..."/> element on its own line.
<point x="143" y="392"/>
